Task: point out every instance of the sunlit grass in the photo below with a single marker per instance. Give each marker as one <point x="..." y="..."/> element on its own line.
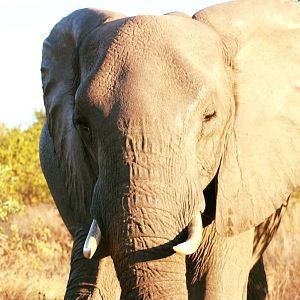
<point x="34" y="255"/>
<point x="282" y="257"/>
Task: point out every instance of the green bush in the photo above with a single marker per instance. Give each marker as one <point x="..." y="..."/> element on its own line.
<point x="9" y="207"/>
<point x="21" y="178"/>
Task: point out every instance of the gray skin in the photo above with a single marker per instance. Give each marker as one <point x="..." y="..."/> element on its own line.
<point x="152" y="119"/>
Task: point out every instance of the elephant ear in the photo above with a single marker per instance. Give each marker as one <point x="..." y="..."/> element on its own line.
<point x="60" y="77"/>
<point x="261" y="161"/>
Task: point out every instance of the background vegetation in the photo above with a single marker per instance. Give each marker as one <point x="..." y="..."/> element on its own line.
<point x="35" y="246"/>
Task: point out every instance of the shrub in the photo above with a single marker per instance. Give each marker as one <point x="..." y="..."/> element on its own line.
<point x="21" y="178"/>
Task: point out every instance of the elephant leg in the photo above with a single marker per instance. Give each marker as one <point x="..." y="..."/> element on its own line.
<point x="257" y="283"/>
<point x="264" y="233"/>
<point x="220" y="267"/>
<point x="87" y="279"/>
<point x="82" y="283"/>
<point x="91" y="279"/>
<point x="107" y="281"/>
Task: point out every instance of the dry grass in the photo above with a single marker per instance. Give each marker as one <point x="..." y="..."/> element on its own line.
<point x="282" y="257"/>
<point x="34" y="255"/>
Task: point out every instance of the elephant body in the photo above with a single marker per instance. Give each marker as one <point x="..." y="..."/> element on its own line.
<point x="162" y="129"/>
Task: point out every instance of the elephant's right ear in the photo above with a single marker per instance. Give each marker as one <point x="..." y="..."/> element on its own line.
<point x="60" y="77"/>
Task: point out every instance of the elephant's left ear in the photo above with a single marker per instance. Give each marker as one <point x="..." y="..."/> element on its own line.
<point x="261" y="162"/>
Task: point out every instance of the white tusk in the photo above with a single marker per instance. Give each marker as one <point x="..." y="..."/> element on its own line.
<point x="92" y="240"/>
<point x="194" y="237"/>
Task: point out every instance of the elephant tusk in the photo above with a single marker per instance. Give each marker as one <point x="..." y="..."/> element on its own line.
<point x="194" y="237"/>
<point x="92" y="240"/>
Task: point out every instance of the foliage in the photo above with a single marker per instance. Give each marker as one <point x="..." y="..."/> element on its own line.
<point x="21" y="178"/>
<point x="8" y="207"/>
<point x="34" y="243"/>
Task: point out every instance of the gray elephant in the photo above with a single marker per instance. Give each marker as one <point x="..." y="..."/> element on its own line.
<point x="178" y="138"/>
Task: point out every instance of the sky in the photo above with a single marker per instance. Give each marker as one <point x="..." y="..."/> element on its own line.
<point x="23" y="27"/>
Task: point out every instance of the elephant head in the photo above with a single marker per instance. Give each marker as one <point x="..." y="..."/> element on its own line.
<point x="145" y="112"/>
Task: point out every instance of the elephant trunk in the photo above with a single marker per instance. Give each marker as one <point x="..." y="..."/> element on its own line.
<point x="145" y="262"/>
<point x="166" y="274"/>
<point x="143" y="207"/>
<point x="158" y="279"/>
<point x="155" y="272"/>
<point x="82" y="283"/>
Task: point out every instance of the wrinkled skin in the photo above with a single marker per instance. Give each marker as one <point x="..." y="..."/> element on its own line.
<point x="151" y="120"/>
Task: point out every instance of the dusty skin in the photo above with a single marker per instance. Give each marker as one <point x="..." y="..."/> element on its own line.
<point x="153" y="120"/>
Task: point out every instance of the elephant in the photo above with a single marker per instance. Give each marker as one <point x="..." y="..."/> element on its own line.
<point x="178" y="139"/>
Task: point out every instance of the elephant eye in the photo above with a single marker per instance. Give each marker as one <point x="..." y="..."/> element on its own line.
<point x="210" y="116"/>
<point x="209" y="122"/>
<point x="84" y="130"/>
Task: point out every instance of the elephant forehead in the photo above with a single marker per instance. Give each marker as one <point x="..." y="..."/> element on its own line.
<point x="154" y="66"/>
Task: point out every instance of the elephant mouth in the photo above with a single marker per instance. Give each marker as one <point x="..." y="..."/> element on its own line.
<point x="188" y="247"/>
